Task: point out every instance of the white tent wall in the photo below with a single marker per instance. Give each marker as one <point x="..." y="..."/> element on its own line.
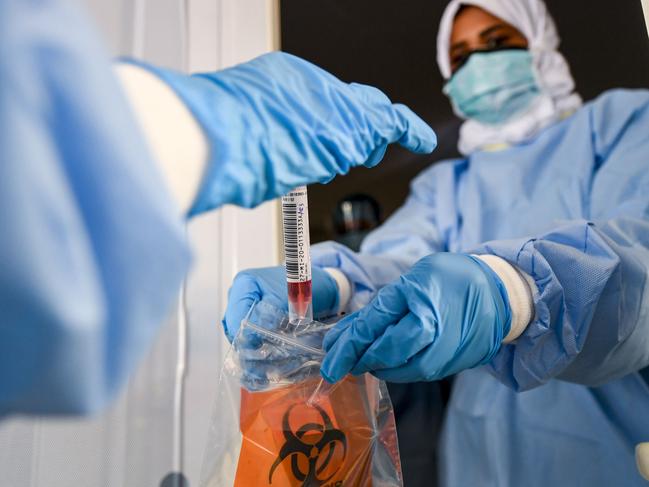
<point x="137" y="442"/>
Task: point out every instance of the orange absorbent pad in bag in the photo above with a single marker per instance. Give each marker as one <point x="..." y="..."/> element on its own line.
<point x="338" y="439"/>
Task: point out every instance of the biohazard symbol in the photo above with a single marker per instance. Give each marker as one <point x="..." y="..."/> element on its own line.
<point x="327" y="440"/>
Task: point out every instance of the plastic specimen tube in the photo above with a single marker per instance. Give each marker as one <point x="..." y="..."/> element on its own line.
<point x="295" y="218"/>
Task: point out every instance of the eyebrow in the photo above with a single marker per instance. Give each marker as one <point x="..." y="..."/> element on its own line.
<point x="492" y="29"/>
<point x="458" y="45"/>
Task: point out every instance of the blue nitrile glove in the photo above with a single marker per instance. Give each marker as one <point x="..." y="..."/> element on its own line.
<point x="278" y="122"/>
<point x="268" y="284"/>
<point x="450" y="312"/>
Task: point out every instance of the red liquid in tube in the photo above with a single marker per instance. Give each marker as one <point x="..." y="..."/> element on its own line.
<point x="299" y="298"/>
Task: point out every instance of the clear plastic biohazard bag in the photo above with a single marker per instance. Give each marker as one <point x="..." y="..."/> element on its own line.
<point x="277" y="423"/>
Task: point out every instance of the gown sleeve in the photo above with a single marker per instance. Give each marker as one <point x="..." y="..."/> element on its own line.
<point x="408" y="235"/>
<point x="92" y="252"/>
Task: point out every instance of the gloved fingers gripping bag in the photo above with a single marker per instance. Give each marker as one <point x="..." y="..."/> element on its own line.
<point x="276" y="423"/>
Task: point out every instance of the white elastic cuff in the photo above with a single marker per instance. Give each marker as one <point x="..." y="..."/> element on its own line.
<point x="520" y="289"/>
<point x="173" y="134"/>
<point x="642" y="459"/>
<point x="344" y="288"/>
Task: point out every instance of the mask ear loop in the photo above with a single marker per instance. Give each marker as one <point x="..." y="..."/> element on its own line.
<point x="537" y="56"/>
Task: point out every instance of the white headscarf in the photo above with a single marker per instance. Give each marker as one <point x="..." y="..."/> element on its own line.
<point x="557" y="98"/>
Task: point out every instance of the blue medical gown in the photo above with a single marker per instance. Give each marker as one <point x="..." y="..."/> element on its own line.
<point x="92" y="250"/>
<point x="564" y="404"/>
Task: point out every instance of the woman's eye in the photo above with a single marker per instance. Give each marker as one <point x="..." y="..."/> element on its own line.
<point x="496" y="42"/>
<point x="458" y="59"/>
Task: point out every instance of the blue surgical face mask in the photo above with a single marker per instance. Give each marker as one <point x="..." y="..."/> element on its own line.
<point x="494" y="86"/>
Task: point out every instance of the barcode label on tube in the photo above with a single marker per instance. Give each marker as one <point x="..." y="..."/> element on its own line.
<point x="295" y="216"/>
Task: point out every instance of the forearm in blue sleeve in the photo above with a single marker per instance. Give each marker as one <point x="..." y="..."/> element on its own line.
<point x="366" y="273"/>
<point x="589" y="324"/>
<point x="93" y="250"/>
<point x="387" y="252"/>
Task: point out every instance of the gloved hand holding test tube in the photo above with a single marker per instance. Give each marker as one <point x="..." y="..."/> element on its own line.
<point x="334" y="434"/>
<point x="299" y="292"/>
